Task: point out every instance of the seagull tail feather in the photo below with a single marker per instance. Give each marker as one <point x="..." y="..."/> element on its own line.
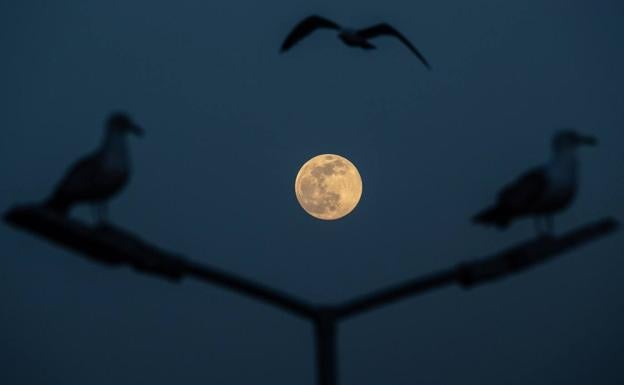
<point x="494" y="215"/>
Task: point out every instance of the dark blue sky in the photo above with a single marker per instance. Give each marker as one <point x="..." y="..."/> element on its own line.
<point x="229" y="121"/>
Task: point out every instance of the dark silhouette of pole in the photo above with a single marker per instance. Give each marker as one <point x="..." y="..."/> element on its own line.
<point x="388" y="295"/>
<point x="114" y="247"/>
<point x="325" y="333"/>
<point x="252" y="289"/>
<point x="469" y="274"/>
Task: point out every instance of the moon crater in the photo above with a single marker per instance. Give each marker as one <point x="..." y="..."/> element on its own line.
<point x="328" y="186"/>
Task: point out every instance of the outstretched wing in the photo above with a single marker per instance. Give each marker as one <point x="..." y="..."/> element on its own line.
<point x="306" y="27"/>
<point x="388" y="30"/>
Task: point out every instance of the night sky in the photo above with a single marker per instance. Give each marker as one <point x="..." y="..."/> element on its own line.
<point x="228" y="123"/>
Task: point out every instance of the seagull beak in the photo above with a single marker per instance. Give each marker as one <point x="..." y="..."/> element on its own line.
<point x="587" y="140"/>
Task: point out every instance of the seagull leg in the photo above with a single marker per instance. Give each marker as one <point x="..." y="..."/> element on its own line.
<point x="99" y="213"/>
<point x="103" y="213"/>
<point x="538" y="226"/>
<point x="550" y="224"/>
<point x="95" y="212"/>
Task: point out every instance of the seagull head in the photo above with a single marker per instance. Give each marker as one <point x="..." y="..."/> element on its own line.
<point x="570" y="139"/>
<point x="120" y="122"/>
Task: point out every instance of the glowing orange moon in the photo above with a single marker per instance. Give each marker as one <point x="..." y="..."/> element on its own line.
<point x="328" y="186"/>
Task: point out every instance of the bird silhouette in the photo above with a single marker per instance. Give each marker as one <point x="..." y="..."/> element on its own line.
<point x="100" y="175"/>
<point x="351" y="37"/>
<point x="542" y="191"/>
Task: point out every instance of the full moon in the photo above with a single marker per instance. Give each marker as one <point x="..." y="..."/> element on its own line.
<point x="328" y="186"/>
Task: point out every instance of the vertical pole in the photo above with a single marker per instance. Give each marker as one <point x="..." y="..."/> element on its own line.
<point x="325" y="335"/>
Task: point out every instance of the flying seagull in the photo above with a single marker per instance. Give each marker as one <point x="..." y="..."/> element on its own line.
<point x="542" y="191"/>
<point x="351" y="37"/>
<point x="98" y="176"/>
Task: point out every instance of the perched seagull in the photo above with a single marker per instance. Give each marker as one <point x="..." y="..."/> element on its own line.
<point x="542" y="191"/>
<point x="351" y="37"/>
<point x="98" y="176"/>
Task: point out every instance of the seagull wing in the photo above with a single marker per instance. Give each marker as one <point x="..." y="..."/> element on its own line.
<point x="519" y="198"/>
<point x="522" y="196"/>
<point x="305" y="28"/>
<point x="387" y="30"/>
<point x="79" y="182"/>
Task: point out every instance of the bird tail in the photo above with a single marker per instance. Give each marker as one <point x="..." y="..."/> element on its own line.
<point x="57" y="204"/>
<point x="494" y="215"/>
